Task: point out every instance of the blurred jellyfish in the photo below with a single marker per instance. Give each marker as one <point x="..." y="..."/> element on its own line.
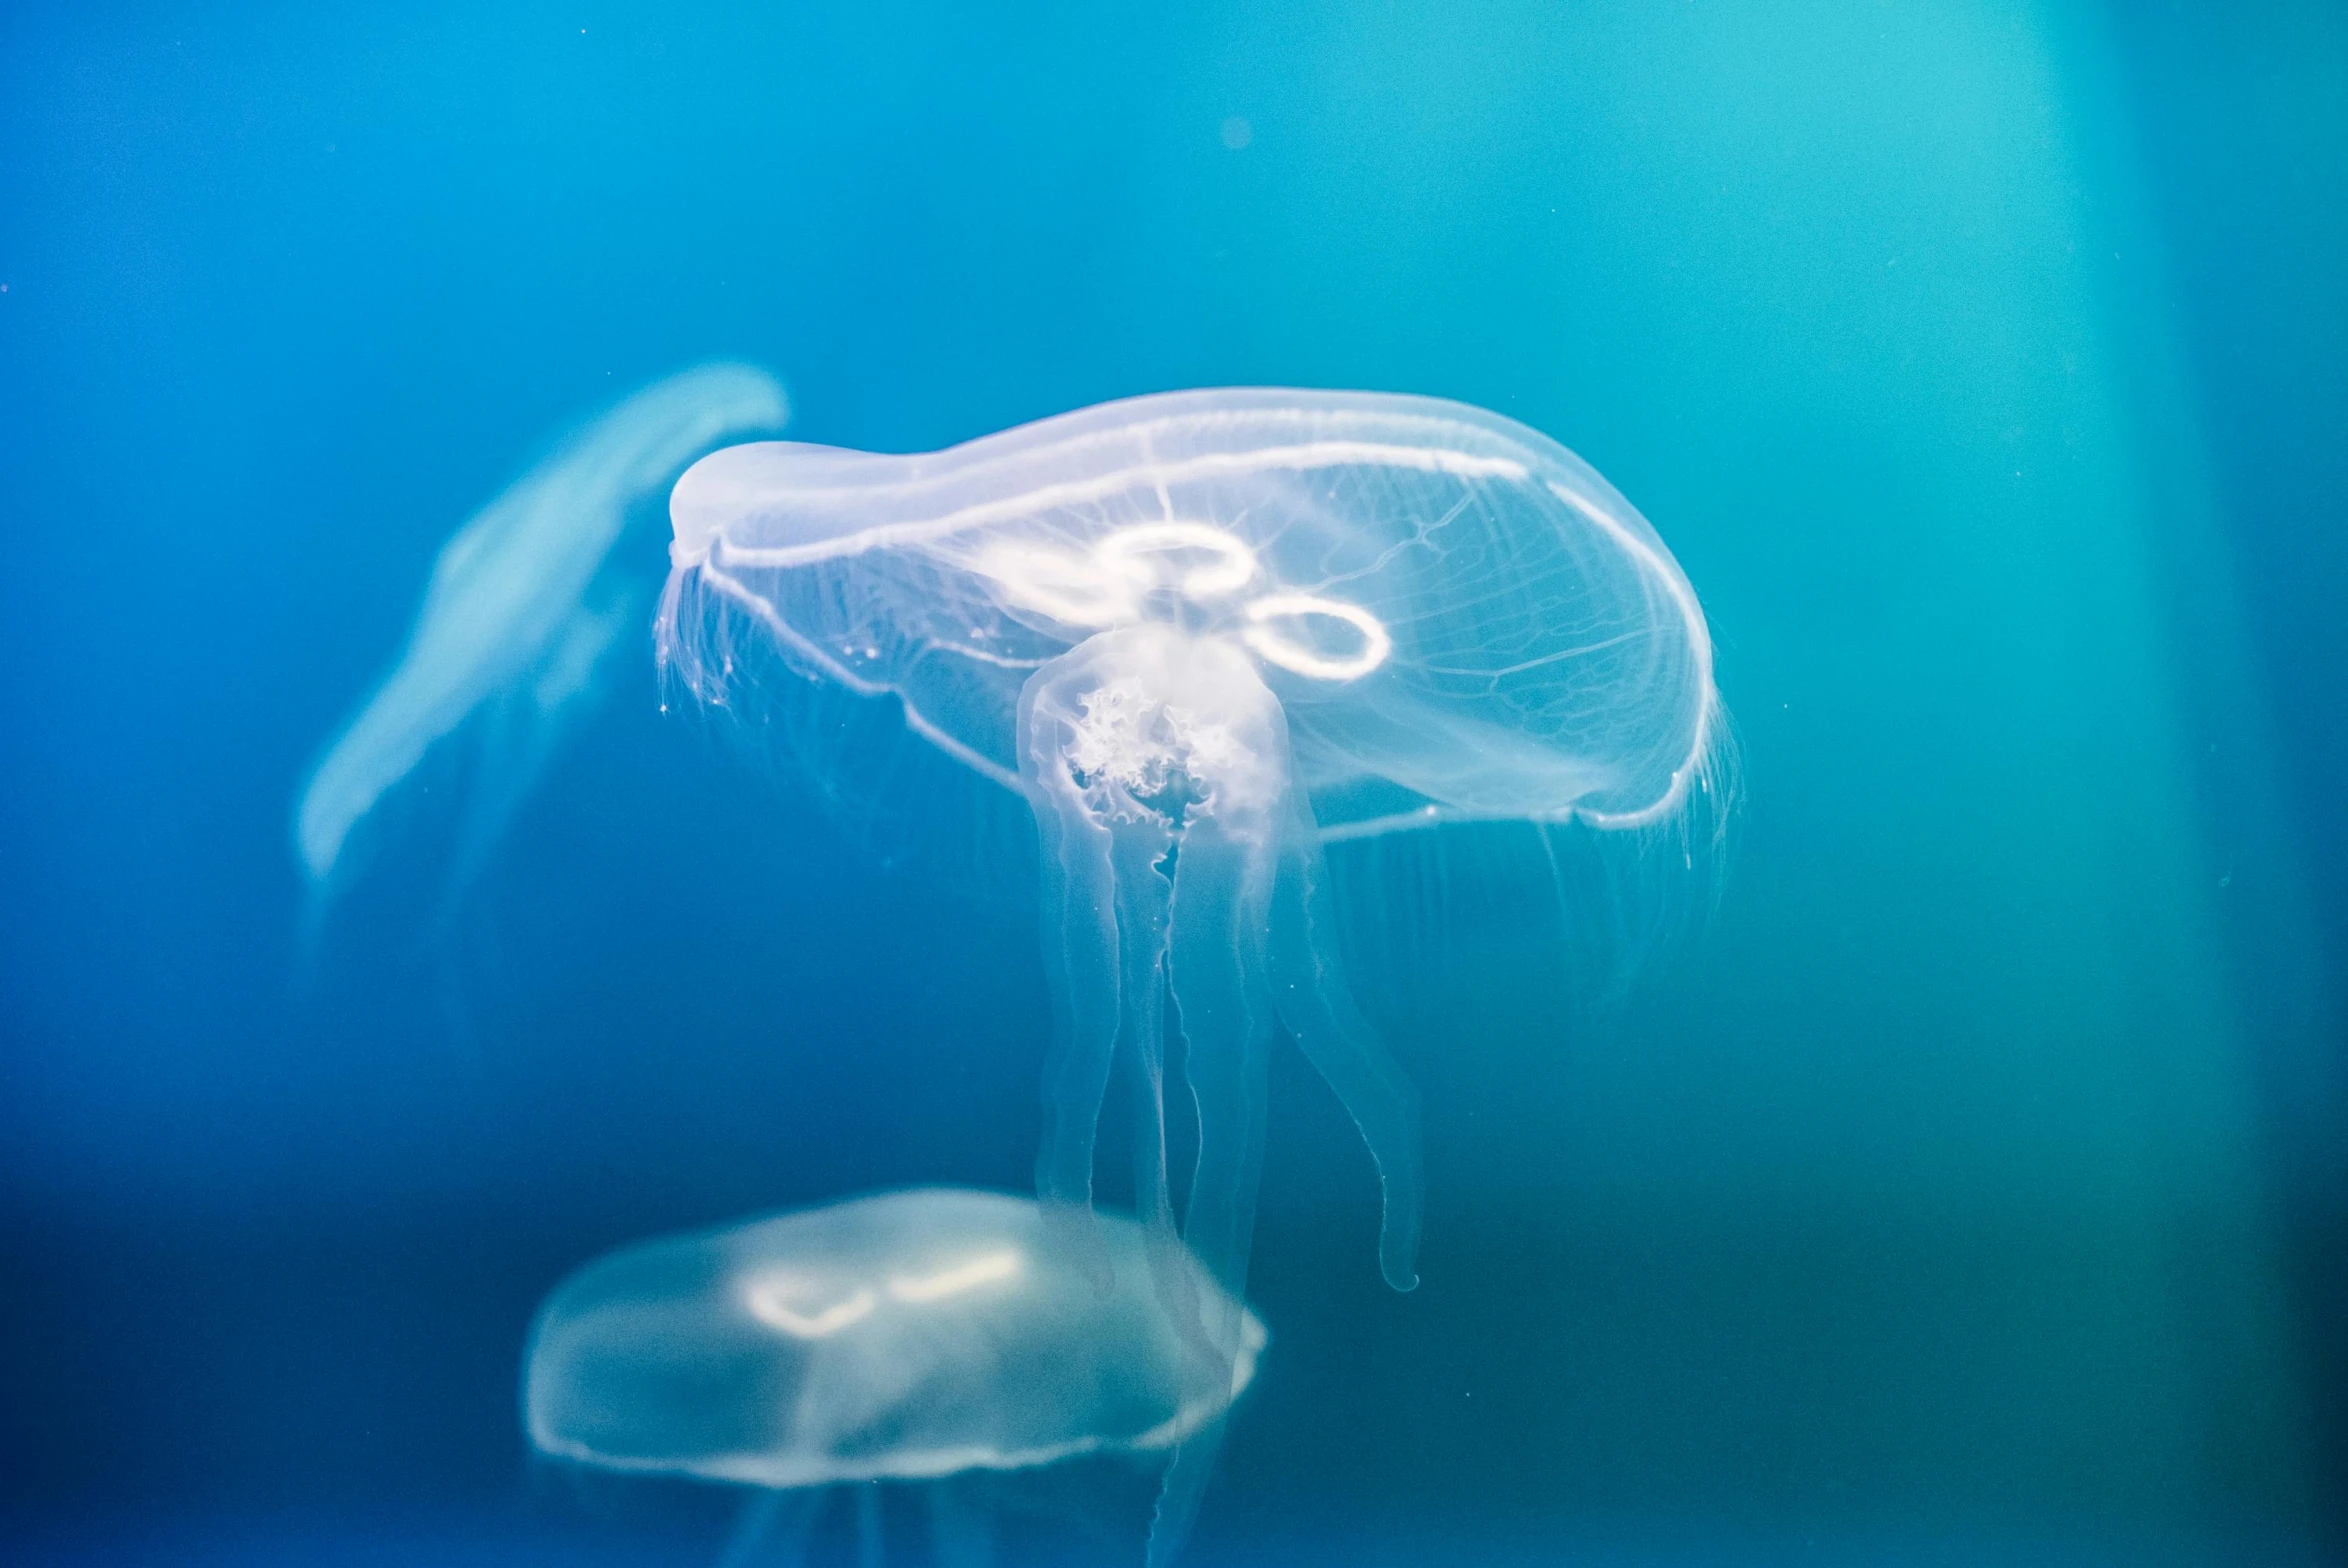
<point x="910" y="1337"/>
<point x="1202" y="633"/>
<point x="526" y="604"/>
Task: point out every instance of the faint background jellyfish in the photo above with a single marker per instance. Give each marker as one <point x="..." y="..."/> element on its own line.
<point x="1202" y="633"/>
<point x="925" y="1338"/>
<point x="527" y="606"/>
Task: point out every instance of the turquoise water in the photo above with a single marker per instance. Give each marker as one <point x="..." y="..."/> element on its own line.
<point x="1961" y="1184"/>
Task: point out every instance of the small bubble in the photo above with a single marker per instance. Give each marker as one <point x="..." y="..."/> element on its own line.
<point x="1237" y="133"/>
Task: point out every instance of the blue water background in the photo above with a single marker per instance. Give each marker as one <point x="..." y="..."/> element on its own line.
<point x="1966" y="1190"/>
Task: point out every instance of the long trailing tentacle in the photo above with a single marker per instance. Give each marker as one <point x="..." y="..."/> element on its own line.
<point x="1317" y="1009"/>
<point x="1215" y="900"/>
<point x="1221" y="903"/>
<point x="1144" y="897"/>
<point x="1180" y="1492"/>
<point x="1080" y="965"/>
<point x="1222" y="894"/>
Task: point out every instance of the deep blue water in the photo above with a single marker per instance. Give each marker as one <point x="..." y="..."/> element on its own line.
<point x="1967" y="1188"/>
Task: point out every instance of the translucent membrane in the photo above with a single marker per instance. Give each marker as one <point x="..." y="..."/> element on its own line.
<point x="909" y="1336"/>
<point x="524" y="608"/>
<point x="1201" y="633"/>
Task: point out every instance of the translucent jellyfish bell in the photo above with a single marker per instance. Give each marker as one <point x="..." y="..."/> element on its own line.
<point x="527" y="602"/>
<point x="912" y="1336"/>
<point x="1202" y="633"/>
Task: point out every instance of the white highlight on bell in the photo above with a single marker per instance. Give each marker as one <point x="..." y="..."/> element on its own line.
<point x="768" y="1297"/>
<point x="775" y="1299"/>
<point x="986" y="1269"/>
<point x="1109" y="588"/>
<point x="1270" y="646"/>
<point x="1068" y="588"/>
<point x="693" y="536"/>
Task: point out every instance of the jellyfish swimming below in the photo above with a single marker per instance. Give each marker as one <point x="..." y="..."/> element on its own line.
<point x="910" y="1337"/>
<point x="526" y="604"/>
<point x="1203" y="633"/>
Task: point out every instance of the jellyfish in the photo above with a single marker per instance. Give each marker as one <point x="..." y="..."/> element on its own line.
<point x="1202" y="634"/>
<point x="909" y="1337"/>
<point x="526" y="605"/>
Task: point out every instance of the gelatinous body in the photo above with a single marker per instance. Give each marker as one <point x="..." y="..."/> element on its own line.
<point x="904" y="1336"/>
<point x="1547" y="659"/>
<point x="526" y="603"/>
<point x="1204" y="633"/>
<point x="907" y="1337"/>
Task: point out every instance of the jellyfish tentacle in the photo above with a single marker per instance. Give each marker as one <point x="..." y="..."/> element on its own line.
<point x="1080" y="955"/>
<point x="1146" y="859"/>
<point x="1131" y="744"/>
<point x="1144" y="898"/>
<point x="1180" y="1492"/>
<point x="1317" y="1009"/>
<point x="1220" y="890"/>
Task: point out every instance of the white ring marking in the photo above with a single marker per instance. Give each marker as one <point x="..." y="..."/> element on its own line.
<point x="1269" y="644"/>
<point x="1235" y="569"/>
